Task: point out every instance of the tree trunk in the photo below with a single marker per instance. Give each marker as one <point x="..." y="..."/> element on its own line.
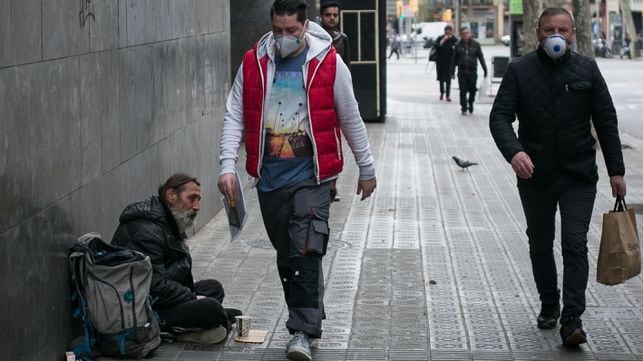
<point x="583" y="27"/>
<point x="629" y="26"/>
<point x="531" y="11"/>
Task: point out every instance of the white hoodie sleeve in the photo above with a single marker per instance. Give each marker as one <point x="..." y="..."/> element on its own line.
<point x="232" y="126"/>
<point x="351" y="121"/>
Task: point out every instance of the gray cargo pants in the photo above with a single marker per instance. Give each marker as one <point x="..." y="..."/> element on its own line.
<point x="296" y="220"/>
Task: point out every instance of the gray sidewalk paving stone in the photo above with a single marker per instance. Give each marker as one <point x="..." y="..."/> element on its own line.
<point x="435" y="266"/>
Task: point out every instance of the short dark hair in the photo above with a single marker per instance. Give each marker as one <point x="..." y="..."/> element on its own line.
<point x="448" y="27"/>
<point x="464" y="28"/>
<point x="289" y="7"/>
<point x="176" y="182"/>
<point x="328" y="4"/>
<point x="555" y="11"/>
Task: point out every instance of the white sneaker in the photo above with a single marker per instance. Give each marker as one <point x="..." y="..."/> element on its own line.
<point x="207" y="337"/>
<point x="298" y="348"/>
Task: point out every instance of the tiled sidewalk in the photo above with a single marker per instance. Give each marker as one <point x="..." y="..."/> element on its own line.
<point x="435" y="266"/>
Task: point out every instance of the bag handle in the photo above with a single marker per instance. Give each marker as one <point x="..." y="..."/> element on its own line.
<point x="619" y="204"/>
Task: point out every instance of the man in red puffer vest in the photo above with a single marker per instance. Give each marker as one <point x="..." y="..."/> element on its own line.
<point x="292" y="96"/>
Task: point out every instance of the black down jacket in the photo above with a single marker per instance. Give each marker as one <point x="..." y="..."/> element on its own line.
<point x="148" y="227"/>
<point x="554" y="102"/>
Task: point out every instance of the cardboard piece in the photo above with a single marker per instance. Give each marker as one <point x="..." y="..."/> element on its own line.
<point x="254" y="336"/>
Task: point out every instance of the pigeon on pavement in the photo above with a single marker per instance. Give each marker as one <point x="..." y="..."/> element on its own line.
<point x="462" y="163"/>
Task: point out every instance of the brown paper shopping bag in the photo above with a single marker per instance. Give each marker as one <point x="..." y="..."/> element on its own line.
<point x="619" y="258"/>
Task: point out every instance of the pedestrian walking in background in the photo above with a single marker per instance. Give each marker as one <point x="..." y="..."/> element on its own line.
<point x="330" y="15"/>
<point x="444" y="46"/>
<point x="290" y="97"/>
<point x="555" y="93"/>
<point x="626" y="50"/>
<point x="395" y="46"/>
<point x="466" y="55"/>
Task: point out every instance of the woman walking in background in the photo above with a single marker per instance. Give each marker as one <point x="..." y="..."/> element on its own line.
<point x="444" y="49"/>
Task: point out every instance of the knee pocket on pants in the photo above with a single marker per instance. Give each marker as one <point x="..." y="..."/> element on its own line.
<point x="304" y="283"/>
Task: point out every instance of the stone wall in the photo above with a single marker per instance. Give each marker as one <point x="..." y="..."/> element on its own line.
<point x="100" y="101"/>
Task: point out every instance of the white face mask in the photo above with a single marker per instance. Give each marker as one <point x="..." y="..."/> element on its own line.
<point x="287" y="44"/>
<point x="555" y="46"/>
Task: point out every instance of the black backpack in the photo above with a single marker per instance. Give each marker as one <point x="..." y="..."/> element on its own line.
<point x="111" y="287"/>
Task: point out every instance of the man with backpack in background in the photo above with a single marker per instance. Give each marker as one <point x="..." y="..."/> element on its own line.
<point x="157" y="227"/>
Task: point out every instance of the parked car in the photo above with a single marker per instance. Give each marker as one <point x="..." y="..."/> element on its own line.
<point x="506" y="39"/>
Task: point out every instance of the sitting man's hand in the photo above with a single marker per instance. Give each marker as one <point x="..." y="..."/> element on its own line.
<point x="227" y="184"/>
<point x="366" y="187"/>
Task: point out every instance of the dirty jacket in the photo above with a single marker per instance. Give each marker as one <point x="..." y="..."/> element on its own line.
<point x="149" y="227"/>
<point x="554" y="102"/>
<point x="339" y="100"/>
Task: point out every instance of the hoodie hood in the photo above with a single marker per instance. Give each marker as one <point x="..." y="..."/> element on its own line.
<point x="317" y="39"/>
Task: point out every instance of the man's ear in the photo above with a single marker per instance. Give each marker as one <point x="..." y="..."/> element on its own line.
<point x="170" y="196"/>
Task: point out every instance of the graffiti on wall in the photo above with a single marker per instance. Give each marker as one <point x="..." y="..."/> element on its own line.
<point x="86" y="12"/>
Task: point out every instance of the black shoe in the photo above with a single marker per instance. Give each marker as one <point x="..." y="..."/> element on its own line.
<point x="548" y="316"/>
<point x="470" y="108"/>
<point x="231" y="313"/>
<point x="572" y="333"/>
<point x="464" y="112"/>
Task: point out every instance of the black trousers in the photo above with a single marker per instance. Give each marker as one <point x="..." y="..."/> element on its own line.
<point x="575" y="199"/>
<point x="198" y="314"/>
<point x="467" y="83"/>
<point x="296" y="220"/>
<point x="445" y="87"/>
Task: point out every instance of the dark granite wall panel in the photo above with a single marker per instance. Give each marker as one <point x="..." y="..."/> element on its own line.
<point x="136" y="89"/>
<point x="42" y="137"/>
<point x="192" y="49"/>
<point x="93" y="117"/>
<point x="247" y="27"/>
<point x="35" y="303"/>
<point x="216" y="82"/>
<point x="100" y="125"/>
<point x="65" y="28"/>
<point x="103" y="23"/>
<point x="141" y="21"/>
<point x="168" y="93"/>
<point x="20" y="32"/>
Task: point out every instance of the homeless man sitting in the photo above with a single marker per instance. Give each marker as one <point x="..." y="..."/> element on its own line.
<point x="156" y="227"/>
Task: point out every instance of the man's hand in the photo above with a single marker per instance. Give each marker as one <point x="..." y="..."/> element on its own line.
<point x="618" y="186"/>
<point x="522" y="165"/>
<point x="226" y="185"/>
<point x="366" y="187"/>
<point x="200" y="297"/>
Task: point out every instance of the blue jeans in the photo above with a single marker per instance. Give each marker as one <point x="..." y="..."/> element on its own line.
<point x="575" y="199"/>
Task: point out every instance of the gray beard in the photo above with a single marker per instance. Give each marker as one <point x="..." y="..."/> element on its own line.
<point x="184" y="219"/>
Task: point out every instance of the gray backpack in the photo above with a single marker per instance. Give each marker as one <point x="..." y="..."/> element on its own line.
<point x="112" y="287"/>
